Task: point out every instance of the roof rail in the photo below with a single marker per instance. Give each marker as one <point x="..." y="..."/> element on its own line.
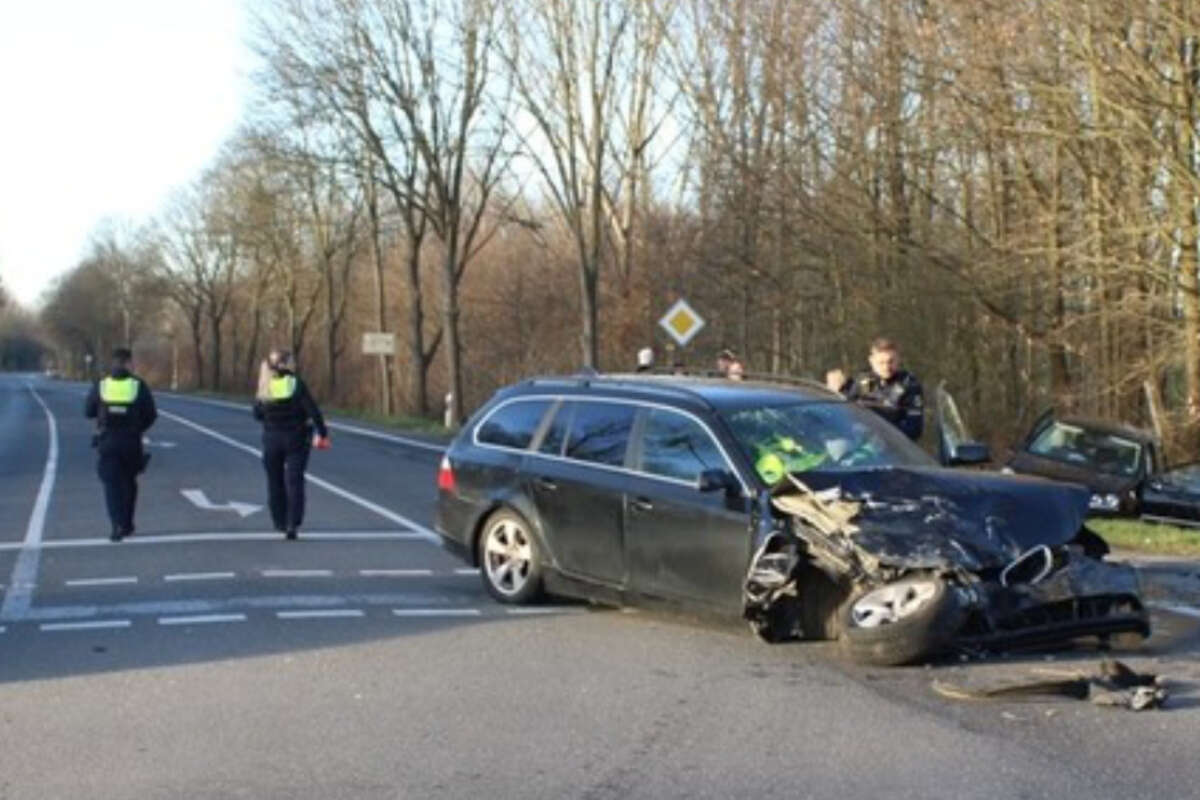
<point x="763" y="377"/>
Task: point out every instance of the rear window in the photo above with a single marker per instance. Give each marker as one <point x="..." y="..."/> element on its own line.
<point x="513" y="424"/>
<point x="600" y="433"/>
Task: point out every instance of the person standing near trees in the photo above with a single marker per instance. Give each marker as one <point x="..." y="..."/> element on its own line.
<point x="123" y="407"/>
<point x="893" y="393"/>
<point x="289" y="414"/>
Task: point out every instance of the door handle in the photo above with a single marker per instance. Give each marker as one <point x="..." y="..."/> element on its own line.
<point x="642" y="504"/>
<point x="546" y="483"/>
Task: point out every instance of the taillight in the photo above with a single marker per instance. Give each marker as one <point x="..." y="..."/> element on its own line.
<point x="445" y="480"/>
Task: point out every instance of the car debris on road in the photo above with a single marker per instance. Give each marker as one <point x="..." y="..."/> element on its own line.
<point x="1114" y="685"/>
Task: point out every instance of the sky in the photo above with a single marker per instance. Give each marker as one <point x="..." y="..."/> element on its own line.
<point x="106" y="107"/>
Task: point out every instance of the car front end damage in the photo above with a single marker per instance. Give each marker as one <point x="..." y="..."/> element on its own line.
<point x="902" y="564"/>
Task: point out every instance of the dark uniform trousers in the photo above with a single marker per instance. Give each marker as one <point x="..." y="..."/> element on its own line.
<point x="119" y="464"/>
<point x="285" y="456"/>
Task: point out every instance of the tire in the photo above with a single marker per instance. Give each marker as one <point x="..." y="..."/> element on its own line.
<point x="509" y="559"/>
<point x="900" y="622"/>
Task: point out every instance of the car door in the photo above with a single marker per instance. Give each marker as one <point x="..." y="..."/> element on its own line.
<point x="577" y="478"/>
<point x="1173" y="495"/>
<point x="954" y="440"/>
<point x="682" y="543"/>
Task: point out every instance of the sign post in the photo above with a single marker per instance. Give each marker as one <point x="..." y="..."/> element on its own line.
<point x="384" y="346"/>
<point x="682" y="323"/>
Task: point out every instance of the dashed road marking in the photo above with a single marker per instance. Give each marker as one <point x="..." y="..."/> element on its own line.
<point x="198" y="576"/>
<point x="192" y="538"/>
<point x="297" y="573"/>
<point x="321" y="613"/>
<point x="436" y="612"/>
<point x="202" y="619"/>
<point x="394" y="573"/>
<point x="534" y="610"/>
<point x="101" y="581"/>
<point x="466" y="571"/>
<point x="84" y="626"/>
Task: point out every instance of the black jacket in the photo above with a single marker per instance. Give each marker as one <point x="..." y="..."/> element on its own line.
<point x="134" y="421"/>
<point x="899" y="400"/>
<point x="291" y="415"/>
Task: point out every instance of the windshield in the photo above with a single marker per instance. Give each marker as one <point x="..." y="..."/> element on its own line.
<point x="833" y="437"/>
<point x="1104" y="452"/>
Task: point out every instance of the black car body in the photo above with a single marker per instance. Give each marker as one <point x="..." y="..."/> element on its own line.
<point x="785" y="505"/>
<point x="1121" y="466"/>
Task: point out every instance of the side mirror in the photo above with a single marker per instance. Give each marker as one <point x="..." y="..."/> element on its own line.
<point x="969" y="453"/>
<point x="715" y="480"/>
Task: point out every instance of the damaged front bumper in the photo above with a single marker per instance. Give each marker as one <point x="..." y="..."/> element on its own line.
<point x="1048" y="595"/>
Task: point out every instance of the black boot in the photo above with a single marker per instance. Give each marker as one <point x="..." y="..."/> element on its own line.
<point x="116" y="535"/>
<point x="290" y="533"/>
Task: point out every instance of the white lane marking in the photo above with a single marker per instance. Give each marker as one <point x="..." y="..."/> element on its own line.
<point x="339" y="426"/>
<point x="1187" y="611"/>
<point x="191" y="538"/>
<point x="533" y="610"/>
<point x="202" y="619"/>
<point x="436" y="612"/>
<point x="3" y="629"/>
<point x="19" y="596"/>
<point x="84" y="626"/>
<point x="324" y="484"/>
<point x="198" y="576"/>
<point x="394" y="573"/>
<point x="466" y="571"/>
<point x="200" y="500"/>
<point x="322" y="613"/>
<point x="228" y="604"/>
<point x="296" y="573"/>
<point x="101" y="581"/>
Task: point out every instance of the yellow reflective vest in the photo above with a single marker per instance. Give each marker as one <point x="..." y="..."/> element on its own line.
<point x="283" y="387"/>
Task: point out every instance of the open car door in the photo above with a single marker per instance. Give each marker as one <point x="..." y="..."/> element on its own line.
<point x="955" y="443"/>
<point x="1173" y="495"/>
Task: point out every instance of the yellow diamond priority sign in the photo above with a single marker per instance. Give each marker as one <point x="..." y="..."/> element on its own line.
<point x="682" y="322"/>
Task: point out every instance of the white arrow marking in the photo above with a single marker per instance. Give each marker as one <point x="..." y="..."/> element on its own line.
<point x="146" y="440"/>
<point x="200" y="500"/>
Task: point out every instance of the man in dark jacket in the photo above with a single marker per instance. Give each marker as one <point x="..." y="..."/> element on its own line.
<point x="893" y="393"/>
<point x="123" y="407"/>
<point x="288" y="414"/>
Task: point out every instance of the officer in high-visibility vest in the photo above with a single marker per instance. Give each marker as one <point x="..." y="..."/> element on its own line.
<point x="288" y="414"/>
<point x="123" y="407"/>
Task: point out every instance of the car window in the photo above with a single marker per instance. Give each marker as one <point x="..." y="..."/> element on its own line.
<point x="1102" y="451"/>
<point x="600" y="433"/>
<point x="514" y="424"/>
<point x="676" y="446"/>
<point x="556" y="433"/>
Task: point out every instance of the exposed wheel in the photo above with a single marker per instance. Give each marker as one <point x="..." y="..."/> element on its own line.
<point x="901" y="622"/>
<point x="508" y="559"/>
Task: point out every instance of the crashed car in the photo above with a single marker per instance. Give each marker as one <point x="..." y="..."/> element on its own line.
<point x="784" y="505"/>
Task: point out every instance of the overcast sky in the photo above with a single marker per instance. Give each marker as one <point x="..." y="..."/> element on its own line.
<point x="107" y="105"/>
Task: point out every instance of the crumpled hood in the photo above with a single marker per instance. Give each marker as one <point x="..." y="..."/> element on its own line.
<point x="935" y="517"/>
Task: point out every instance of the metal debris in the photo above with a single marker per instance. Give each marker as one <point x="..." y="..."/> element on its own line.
<point x="1114" y="685"/>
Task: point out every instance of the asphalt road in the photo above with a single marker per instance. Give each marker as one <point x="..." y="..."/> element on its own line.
<point x="206" y="657"/>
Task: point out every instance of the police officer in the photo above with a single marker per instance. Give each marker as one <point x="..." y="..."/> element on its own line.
<point x="123" y="407"/>
<point x="893" y="393"/>
<point x="288" y="414"/>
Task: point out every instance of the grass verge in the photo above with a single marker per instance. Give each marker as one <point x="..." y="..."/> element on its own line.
<point x="1147" y="537"/>
<point x="399" y="422"/>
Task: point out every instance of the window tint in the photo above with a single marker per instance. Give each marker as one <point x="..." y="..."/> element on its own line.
<point x="552" y="442"/>
<point x="600" y="433"/>
<point x="514" y="424"/>
<point x="675" y="446"/>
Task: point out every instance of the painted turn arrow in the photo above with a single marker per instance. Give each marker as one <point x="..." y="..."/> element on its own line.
<point x="157" y="443"/>
<point x="200" y="500"/>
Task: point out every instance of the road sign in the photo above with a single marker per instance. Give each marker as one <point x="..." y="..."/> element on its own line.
<point x="682" y="322"/>
<point x="379" y="344"/>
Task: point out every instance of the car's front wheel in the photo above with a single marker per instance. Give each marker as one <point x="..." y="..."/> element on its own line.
<point x="509" y="560"/>
<point x="900" y="622"/>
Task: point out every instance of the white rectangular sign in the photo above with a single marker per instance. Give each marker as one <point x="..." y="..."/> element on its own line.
<point x="379" y="344"/>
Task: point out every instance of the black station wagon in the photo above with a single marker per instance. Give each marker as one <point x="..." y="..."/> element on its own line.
<point x="785" y="505"/>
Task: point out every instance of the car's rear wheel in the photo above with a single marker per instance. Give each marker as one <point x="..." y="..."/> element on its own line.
<point x="901" y="622"/>
<point x="509" y="560"/>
